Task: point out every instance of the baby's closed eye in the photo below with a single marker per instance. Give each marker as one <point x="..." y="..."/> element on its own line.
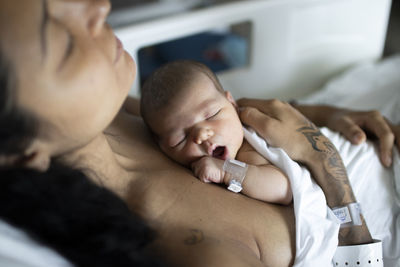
<point x="180" y="141"/>
<point x="213" y="115"/>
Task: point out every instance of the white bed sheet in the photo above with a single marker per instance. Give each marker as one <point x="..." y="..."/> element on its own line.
<point x="372" y="85"/>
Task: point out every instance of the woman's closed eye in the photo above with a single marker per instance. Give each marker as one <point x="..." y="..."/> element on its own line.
<point x="214" y="115"/>
<point x="68" y="50"/>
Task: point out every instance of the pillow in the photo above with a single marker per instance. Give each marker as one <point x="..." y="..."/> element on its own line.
<point x="17" y="249"/>
<point x="371" y="85"/>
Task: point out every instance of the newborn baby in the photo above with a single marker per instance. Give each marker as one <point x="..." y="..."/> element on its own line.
<point x="195" y="122"/>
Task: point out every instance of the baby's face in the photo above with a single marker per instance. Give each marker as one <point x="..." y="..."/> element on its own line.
<point x="200" y="121"/>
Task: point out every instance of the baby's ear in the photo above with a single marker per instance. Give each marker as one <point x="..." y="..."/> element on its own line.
<point x="230" y="98"/>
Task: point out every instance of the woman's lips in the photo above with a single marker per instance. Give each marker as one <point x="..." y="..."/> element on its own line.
<point x="120" y="49"/>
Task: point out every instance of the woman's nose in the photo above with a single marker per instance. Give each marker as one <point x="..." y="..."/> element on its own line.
<point x="91" y="14"/>
<point x="202" y="134"/>
<point x="97" y="12"/>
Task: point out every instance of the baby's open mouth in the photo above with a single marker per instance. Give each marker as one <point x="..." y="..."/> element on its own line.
<point x="220" y="152"/>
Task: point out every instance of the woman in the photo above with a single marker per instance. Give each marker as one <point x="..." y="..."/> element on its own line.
<point x="68" y="75"/>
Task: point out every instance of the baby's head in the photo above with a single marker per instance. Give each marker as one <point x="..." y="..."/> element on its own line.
<point x="190" y="114"/>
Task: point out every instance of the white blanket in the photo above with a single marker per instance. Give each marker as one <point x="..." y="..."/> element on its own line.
<point x="373" y="185"/>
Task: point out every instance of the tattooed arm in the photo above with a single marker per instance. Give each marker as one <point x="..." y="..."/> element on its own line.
<point x="354" y="125"/>
<point x="285" y="127"/>
<point x="328" y="169"/>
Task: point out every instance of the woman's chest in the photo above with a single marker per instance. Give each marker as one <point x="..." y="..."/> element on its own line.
<point x="210" y="211"/>
<point x="133" y="144"/>
<point x="169" y="196"/>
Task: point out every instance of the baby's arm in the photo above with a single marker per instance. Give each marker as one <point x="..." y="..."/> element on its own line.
<point x="263" y="181"/>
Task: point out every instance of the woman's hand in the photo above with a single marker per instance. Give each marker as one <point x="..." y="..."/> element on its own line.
<point x="279" y="124"/>
<point x="283" y="126"/>
<point x="396" y="132"/>
<point x="356" y="125"/>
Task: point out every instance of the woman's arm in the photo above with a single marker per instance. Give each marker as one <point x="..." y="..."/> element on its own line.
<point x="354" y="125"/>
<point x="283" y="126"/>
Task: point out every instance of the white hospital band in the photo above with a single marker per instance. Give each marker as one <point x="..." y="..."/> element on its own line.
<point x="348" y="215"/>
<point x="237" y="170"/>
<point x="365" y="255"/>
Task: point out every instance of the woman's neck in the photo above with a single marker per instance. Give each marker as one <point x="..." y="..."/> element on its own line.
<point x="98" y="161"/>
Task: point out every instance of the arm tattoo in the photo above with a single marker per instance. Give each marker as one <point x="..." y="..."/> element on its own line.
<point x="333" y="167"/>
<point x="312" y="135"/>
<point x="196" y="236"/>
<point x="332" y="177"/>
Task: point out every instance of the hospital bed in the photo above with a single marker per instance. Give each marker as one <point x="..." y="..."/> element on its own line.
<point x="295" y="45"/>
<point x="315" y="51"/>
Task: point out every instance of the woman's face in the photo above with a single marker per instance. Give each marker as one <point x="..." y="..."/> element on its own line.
<point x="71" y="71"/>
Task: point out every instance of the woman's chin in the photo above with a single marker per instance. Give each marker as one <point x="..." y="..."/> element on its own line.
<point x="126" y="73"/>
<point x="132" y="69"/>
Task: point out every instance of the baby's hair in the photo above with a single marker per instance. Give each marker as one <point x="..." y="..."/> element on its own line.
<point x="168" y="80"/>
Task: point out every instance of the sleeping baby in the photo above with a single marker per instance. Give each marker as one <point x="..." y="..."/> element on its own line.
<point x="195" y="122"/>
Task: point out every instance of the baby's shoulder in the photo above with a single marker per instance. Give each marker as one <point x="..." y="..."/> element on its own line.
<point x="246" y="147"/>
<point x="249" y="155"/>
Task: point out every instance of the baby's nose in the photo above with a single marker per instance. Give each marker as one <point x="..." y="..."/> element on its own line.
<point x="202" y="135"/>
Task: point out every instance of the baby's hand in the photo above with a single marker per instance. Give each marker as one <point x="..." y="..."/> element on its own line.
<point x="209" y="169"/>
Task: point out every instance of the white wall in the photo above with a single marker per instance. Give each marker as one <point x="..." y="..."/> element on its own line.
<point x="296" y="44"/>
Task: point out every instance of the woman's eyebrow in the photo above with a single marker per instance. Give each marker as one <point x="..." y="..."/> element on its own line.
<point x="45" y="19"/>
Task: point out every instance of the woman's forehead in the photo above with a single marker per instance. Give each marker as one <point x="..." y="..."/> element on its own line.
<point x="21" y="28"/>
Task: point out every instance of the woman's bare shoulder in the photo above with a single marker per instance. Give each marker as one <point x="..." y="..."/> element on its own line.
<point x="130" y="137"/>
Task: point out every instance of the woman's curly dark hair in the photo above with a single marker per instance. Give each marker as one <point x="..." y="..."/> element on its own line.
<point x="17" y="127"/>
<point x="84" y="222"/>
<point x="62" y="208"/>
